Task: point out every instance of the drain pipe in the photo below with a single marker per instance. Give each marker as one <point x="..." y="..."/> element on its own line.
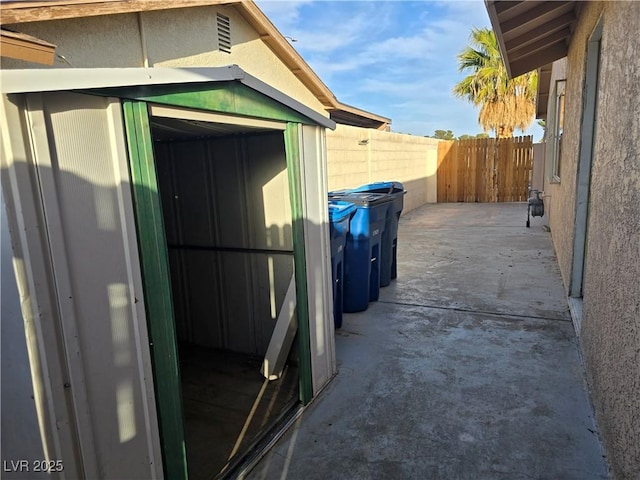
<point x="143" y="41"/>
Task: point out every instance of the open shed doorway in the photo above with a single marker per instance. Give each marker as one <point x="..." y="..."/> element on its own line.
<point x="225" y="200"/>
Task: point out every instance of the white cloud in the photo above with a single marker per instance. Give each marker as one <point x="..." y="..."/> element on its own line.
<point x="341" y="27"/>
<point x="284" y="14"/>
<point x="397" y="59"/>
<point x="471" y="13"/>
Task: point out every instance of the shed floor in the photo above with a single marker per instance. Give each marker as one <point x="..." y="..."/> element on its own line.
<point x="227" y="404"/>
<point x="467" y="368"/>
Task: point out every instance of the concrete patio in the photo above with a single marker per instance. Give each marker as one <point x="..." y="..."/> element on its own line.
<point x="467" y="368"/>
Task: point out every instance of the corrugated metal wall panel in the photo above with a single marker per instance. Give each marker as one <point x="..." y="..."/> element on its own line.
<point x="228" y="197"/>
<point x="268" y="192"/>
<point x="89" y="221"/>
<point x="272" y="274"/>
<point x="21" y="437"/>
<point x="32" y="267"/>
<point x="202" y="299"/>
<point x="238" y="316"/>
<point x="192" y="200"/>
<point x="228" y="185"/>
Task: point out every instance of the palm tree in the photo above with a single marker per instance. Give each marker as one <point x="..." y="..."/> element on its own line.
<point x="504" y="104"/>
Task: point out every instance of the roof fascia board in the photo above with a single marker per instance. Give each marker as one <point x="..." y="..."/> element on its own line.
<point x="362" y="113"/>
<point x="22" y="12"/>
<point x="283" y="49"/>
<point x="495" y="24"/>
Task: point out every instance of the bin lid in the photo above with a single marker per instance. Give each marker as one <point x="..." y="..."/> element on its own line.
<point x="361" y="199"/>
<point x="339" y="210"/>
<point x="382" y="187"/>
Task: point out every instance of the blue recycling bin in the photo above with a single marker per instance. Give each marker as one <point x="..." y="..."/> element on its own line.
<point x="339" y="215"/>
<point x="362" y="252"/>
<point x="389" y="245"/>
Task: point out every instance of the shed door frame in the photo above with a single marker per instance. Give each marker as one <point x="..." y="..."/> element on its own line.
<point x="156" y="278"/>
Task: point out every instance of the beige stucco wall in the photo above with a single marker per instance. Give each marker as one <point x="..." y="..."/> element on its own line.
<point x="357" y="156"/>
<point x="560" y="197"/>
<point x="610" y="333"/>
<point x="175" y="38"/>
<point x="611" y="323"/>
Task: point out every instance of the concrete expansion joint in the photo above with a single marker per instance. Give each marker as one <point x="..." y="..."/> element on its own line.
<point x="461" y="227"/>
<point x="480" y="312"/>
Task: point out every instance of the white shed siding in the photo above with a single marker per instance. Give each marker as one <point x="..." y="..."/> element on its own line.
<point x="318" y="251"/>
<point x="93" y="274"/>
<point x="20" y="431"/>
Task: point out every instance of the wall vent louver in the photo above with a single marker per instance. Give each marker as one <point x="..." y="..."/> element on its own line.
<point x="224" y="33"/>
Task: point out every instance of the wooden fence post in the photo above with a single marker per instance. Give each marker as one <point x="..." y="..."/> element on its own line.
<point x="444" y="171"/>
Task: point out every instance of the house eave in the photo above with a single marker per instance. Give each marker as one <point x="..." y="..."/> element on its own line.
<point x="532" y="34"/>
<point x="27" y="48"/>
<point x="349" y="115"/>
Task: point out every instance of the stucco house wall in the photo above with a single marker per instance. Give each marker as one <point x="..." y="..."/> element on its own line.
<point x="611" y="322"/>
<point x="357" y="156"/>
<point x="185" y="37"/>
<point x="560" y="196"/>
<point x="610" y="330"/>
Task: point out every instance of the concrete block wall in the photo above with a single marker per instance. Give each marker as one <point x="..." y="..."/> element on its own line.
<point x="358" y="155"/>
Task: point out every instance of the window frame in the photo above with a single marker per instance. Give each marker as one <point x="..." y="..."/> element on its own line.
<point x="557" y="128"/>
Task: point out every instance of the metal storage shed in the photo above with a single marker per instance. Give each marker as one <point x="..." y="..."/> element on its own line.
<point x="93" y="160"/>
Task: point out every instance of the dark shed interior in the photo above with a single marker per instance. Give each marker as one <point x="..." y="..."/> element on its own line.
<point x="226" y="209"/>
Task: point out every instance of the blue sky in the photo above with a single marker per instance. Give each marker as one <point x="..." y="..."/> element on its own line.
<point x="394" y="58"/>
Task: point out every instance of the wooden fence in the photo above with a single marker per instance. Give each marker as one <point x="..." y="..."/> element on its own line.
<point x="485" y="170"/>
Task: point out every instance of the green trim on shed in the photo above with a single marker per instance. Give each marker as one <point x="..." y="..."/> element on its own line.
<point x="292" y="148"/>
<point x="157" y="289"/>
<point x="224" y="97"/>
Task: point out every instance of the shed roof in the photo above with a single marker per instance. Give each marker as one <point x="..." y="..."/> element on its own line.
<point x="530" y="33"/>
<point x="16" y="12"/>
<point x="15" y="81"/>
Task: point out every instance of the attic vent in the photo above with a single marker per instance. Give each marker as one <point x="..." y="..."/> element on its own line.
<point x="224" y="33"/>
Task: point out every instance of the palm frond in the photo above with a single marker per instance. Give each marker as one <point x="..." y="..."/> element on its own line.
<point x="505" y="103"/>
